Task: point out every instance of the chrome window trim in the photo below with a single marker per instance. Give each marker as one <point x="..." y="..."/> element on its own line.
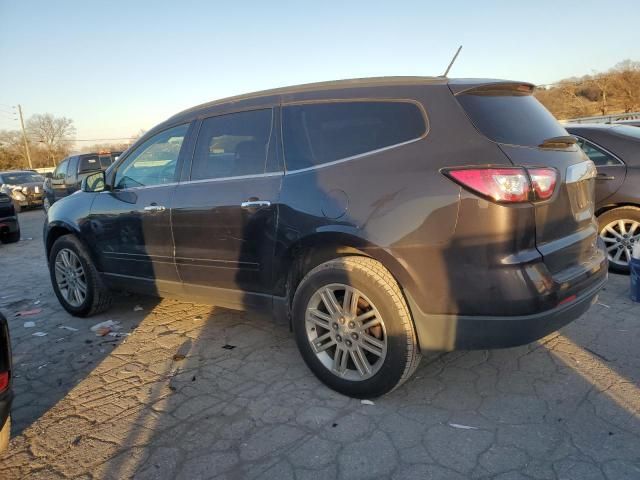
<point x="600" y="147"/>
<point x="205" y="180"/>
<point x="423" y="111"/>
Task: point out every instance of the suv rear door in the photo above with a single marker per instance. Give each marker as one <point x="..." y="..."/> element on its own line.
<point x="611" y="170"/>
<point x="509" y="114"/>
<point x="224" y="216"/>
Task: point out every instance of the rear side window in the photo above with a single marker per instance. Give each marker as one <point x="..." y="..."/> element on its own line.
<point x="508" y="115"/>
<point x="318" y="133"/>
<point x="89" y="164"/>
<point x="232" y="145"/>
<point x="596" y="154"/>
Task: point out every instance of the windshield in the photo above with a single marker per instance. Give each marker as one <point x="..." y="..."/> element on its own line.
<point x="17" y="178"/>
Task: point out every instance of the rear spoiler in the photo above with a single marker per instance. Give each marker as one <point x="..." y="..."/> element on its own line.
<point x="490" y="87"/>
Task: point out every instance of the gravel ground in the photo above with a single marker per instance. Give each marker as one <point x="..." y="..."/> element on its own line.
<point x="195" y="391"/>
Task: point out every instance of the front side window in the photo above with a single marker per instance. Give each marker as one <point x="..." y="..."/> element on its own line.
<point x="318" y="133"/>
<point x="154" y="162"/>
<point x="597" y="155"/>
<point x="61" y="170"/>
<point x="232" y="145"/>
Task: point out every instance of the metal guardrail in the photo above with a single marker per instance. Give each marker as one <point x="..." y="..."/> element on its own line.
<point x="605" y="118"/>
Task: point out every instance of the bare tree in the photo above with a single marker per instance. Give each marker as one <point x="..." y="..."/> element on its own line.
<point x="603" y="82"/>
<point x="626" y="78"/>
<point x="53" y="133"/>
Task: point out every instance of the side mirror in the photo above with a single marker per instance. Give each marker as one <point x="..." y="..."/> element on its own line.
<point x="48" y="175"/>
<point x="94" y="183"/>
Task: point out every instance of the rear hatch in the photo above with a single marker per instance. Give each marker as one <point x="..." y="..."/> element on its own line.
<point x="508" y="114"/>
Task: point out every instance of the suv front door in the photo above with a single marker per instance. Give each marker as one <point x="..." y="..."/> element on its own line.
<point x="131" y="222"/>
<point x="224" y="217"/>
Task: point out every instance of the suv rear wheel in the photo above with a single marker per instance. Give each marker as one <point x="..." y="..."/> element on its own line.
<point x="353" y="327"/>
<point x="620" y="230"/>
<point x="75" y="280"/>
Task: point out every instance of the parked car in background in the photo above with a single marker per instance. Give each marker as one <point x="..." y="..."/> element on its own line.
<point x="383" y="216"/>
<point x="9" y="224"/>
<point x="615" y="150"/>
<point x="24" y="187"/>
<point x="6" y="394"/>
<point x="68" y="175"/>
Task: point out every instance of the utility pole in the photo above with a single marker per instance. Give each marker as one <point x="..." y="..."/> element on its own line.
<point x="24" y="136"/>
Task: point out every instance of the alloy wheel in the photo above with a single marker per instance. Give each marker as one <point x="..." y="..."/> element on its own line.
<point x="346" y="332"/>
<point x="70" y="277"/>
<point x="619" y="237"/>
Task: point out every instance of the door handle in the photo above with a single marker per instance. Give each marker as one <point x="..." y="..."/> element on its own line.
<point x="604" y="176"/>
<point x="256" y="204"/>
<point x="154" y="208"/>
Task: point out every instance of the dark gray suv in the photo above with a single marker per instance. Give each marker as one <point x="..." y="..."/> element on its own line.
<point x="385" y="217"/>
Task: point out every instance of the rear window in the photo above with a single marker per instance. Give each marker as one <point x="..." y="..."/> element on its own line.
<point x="627" y="131"/>
<point x="318" y="133"/>
<point x="88" y="164"/>
<point x="509" y="116"/>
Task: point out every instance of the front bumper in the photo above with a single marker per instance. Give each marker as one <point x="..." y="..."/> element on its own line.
<point x="465" y="332"/>
<point x="6" y="399"/>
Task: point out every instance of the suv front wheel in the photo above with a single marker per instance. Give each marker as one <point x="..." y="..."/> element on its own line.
<point x="353" y="327"/>
<point x="76" y="281"/>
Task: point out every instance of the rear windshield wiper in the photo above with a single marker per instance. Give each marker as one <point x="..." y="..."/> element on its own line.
<point x="562" y="141"/>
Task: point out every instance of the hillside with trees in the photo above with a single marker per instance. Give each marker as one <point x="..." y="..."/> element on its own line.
<point x="615" y="91"/>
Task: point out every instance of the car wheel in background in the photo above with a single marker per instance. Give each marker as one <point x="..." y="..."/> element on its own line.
<point x="620" y="231"/>
<point x="76" y="282"/>
<point x="5" y="435"/>
<point x="353" y="327"/>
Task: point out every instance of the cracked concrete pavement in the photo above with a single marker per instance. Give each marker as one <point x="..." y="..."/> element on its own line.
<point x="241" y="403"/>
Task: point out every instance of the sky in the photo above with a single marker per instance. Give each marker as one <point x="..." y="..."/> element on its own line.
<point x="116" y="67"/>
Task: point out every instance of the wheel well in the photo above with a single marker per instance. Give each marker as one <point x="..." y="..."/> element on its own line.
<point x="54" y="234"/>
<point x="305" y="258"/>
<point x="606" y="208"/>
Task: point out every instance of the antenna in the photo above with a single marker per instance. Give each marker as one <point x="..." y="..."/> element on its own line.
<point x="452" y="61"/>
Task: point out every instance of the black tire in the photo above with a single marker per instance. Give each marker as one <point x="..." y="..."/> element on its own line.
<point x="11" y="237"/>
<point x="98" y="298"/>
<point x="377" y="284"/>
<point x="622" y="213"/>
<point x="5" y="435"/>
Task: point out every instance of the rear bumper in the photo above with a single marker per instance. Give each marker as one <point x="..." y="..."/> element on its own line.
<point x="9" y="224"/>
<point x="466" y="332"/>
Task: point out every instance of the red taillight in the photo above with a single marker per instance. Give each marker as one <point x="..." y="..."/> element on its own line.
<point x="510" y="185"/>
<point x="507" y="185"/>
<point x="543" y="182"/>
<point x="4" y="381"/>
